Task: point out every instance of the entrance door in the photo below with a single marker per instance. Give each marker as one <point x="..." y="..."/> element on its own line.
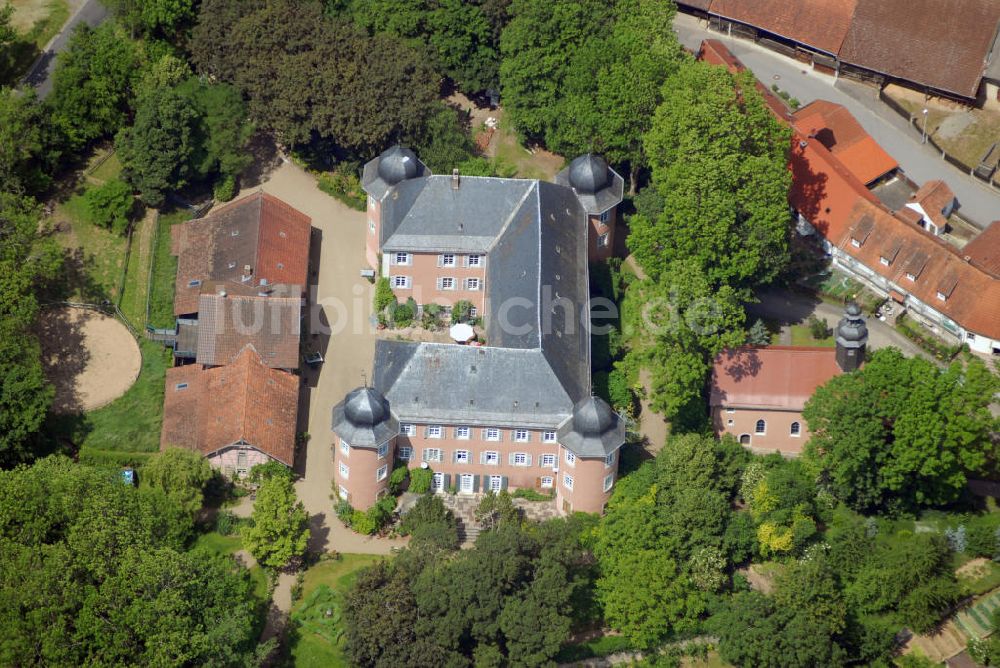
<point x="496" y="483"/>
<point x="465" y="483"/>
<point x="437" y="484"/>
<point x="241" y="462"/>
<point x="744" y="439"/>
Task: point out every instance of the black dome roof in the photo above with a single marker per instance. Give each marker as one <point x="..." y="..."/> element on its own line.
<point x="852" y="326"/>
<point x="592" y="416"/>
<point x="589" y="173"/>
<point x="397" y="164"/>
<point x="365" y="407"/>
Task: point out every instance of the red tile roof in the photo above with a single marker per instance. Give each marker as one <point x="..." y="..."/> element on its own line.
<point x="210" y="409"/>
<point x="984" y="251"/>
<point x="228" y="323"/>
<point x="821" y="24"/>
<point x="943" y="45"/>
<point x="259" y="231"/>
<point x="776" y="377"/>
<point x="934" y="197"/>
<point x="841" y="133"/>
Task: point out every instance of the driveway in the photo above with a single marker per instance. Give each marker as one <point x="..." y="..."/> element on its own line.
<point x="92" y="13"/>
<point x="790" y="308"/>
<point x="338" y="324"/>
<point x="979" y="203"/>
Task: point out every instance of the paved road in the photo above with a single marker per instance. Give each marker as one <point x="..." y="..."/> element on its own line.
<point x="978" y="202"/>
<point x="92" y="13"/>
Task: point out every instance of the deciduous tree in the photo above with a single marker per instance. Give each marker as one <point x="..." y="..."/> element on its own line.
<point x="280" y="530"/>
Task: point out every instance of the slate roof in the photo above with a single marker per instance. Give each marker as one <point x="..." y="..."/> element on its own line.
<point x="984" y="251"/>
<point x="771" y="377"/>
<point x="838" y="130"/>
<point x="243" y="402"/>
<point x="942" y="45"/>
<point x="227" y="324"/>
<point x="597" y="186"/>
<point x="821" y="24"/>
<point x="364" y="419"/>
<point x="594" y="429"/>
<point x="259" y="231"/>
<point x="392" y="166"/>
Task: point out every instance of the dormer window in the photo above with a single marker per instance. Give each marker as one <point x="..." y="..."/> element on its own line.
<point x="855" y="242"/>
<point x="910" y="277"/>
<point x="885" y="262"/>
<point x="942" y="296"/>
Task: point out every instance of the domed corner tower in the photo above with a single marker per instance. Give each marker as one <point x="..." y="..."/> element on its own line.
<point x="599" y="190"/>
<point x="852" y="339"/>
<point x="365" y="433"/>
<point x="378" y="178"/>
<point x="589" y="442"/>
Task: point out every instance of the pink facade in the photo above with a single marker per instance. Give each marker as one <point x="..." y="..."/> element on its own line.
<point x="784" y="431"/>
<point x="601" y="244"/>
<point x="362" y="472"/>
<point x="237" y="459"/>
<point x="430" y="274"/>
<point x="586" y="485"/>
<point x="374" y="223"/>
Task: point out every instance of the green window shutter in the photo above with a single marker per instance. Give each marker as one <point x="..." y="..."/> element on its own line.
<point x="475" y="483"/>
<point x="503" y="482"/>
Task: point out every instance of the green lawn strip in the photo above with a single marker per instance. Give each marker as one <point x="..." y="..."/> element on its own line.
<point x="133" y="299"/>
<point x="130" y="423"/>
<point x="802" y="336"/>
<point x="161" y="297"/>
<point x="101" y="252"/>
<point x="318" y="638"/>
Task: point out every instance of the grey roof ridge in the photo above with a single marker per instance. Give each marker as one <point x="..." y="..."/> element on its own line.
<point x="538" y="293"/>
<point x="514" y="210"/>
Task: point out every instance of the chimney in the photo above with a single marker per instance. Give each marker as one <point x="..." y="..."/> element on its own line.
<point x="852" y="339"/>
<point x="454" y="179"/>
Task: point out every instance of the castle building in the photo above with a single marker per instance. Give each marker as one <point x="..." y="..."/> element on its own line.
<point x="758" y="392"/>
<point x="517" y="412"/>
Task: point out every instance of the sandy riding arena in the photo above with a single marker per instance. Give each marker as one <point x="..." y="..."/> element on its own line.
<point x="90" y="358"/>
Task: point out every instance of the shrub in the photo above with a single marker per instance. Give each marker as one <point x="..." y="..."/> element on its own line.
<point x="402" y="315"/>
<point x="620" y="392"/>
<point x="271" y="469"/>
<point x="461" y="311"/>
<point x="344" y="511"/>
<point x="420" y="480"/>
<point x="530" y="494"/>
<point x="225" y="189"/>
<point x="399" y="475"/>
<point x="431" y="318"/>
<point x="818" y="327"/>
<point x="109" y="205"/>
<point x="227" y="523"/>
<point x="345" y="186"/>
<point x="385" y="300"/>
<point x="363" y="523"/>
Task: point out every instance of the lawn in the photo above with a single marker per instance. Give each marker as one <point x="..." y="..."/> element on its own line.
<point x="217" y="543"/>
<point x="161" y="297"/>
<point x="316" y="639"/>
<point x="713" y="660"/>
<point x="97" y="255"/>
<point x="510" y="151"/>
<point x="126" y="431"/>
<point x="37" y="22"/>
<point x="802" y="336"/>
<point x="107" y="170"/>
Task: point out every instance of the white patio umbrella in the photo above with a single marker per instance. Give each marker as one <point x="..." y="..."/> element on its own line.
<point x="462" y="332"/>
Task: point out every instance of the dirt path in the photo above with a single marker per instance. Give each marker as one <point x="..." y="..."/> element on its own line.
<point x="653" y="427"/>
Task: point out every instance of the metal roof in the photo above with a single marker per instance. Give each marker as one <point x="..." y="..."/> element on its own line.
<point x="596" y="194"/>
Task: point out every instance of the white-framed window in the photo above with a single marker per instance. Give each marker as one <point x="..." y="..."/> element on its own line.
<point x="911" y="277"/>
<point x="603" y="240"/>
<point x="490" y="458"/>
<point x="520" y="459"/>
<point x="570" y="458"/>
<point x="496" y="483"/>
<point x="884" y="261"/>
<point x="472" y="283"/>
<point x="548" y="437"/>
<point x="446" y="260"/>
<point x="730" y="422"/>
<point x="433" y="431"/>
<point x="567" y="481"/>
<point x="609" y="480"/>
<point x="345" y="471"/>
<point x="371" y="226"/>
<point x="760" y="427"/>
<point x="473" y="312"/>
<point x="610" y="459"/>
<point x="431" y="455"/>
<point x="437" y="482"/>
<point x="461" y="457"/>
<point x="446" y="283"/>
<point x="969" y="336"/>
<point x="491" y="434"/>
<point x="344" y="494"/>
<point x="404" y="452"/>
<point x="730" y="410"/>
<point x="605" y="215"/>
<point x="463" y="433"/>
<point x="942" y="296"/>
<point x="467" y="483"/>
<point x="546" y="482"/>
<point x="345" y="448"/>
<point x="522" y="435"/>
<point x="382" y="472"/>
<point x="407" y="429"/>
<point x="855" y="242"/>
<point x="547" y="461"/>
<point x="383" y="450"/>
<point x="371" y="202"/>
<point x="795" y="429"/>
<point x="403" y="259"/>
<point x="473" y="260"/>
<point x="401" y="282"/>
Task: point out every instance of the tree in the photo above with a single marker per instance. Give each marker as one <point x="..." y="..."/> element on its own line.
<point x="109" y="205"/>
<point x="156" y="150"/>
<point x="8" y="36"/>
<point x="182" y="474"/>
<point x="27" y="152"/>
<point x="165" y="17"/>
<point x="900" y="432"/>
<point x="93" y="84"/>
<point x="222" y="131"/>
<point x="719" y="159"/>
<point x="495" y="510"/>
<point x="280" y="530"/>
<point x="758" y="334"/>
<point x="27" y="263"/>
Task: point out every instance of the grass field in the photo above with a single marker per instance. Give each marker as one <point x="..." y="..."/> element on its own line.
<point x="161" y="297"/>
<point x="97" y="255"/>
<point x="801" y="336"/>
<point x="36" y="21"/>
<point x="216" y="543"/>
<point x="310" y="639"/>
<point x="107" y="170"/>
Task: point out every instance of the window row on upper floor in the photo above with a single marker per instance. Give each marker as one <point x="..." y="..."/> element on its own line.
<point x="472" y="261"/>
